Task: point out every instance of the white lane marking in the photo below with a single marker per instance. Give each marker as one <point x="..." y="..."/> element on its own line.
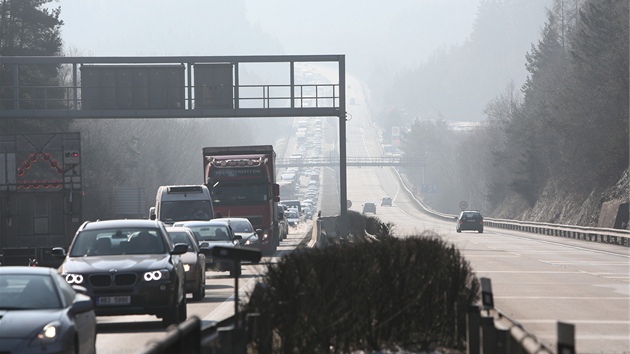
<point x="226" y="309"/>
<point x="564" y="297"/>
<point x="598" y="263"/>
<point x="574" y="321"/>
<point x="527" y="271"/>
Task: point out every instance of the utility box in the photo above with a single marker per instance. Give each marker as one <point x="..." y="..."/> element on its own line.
<point x="214" y="86"/>
<point x="132" y="87"/>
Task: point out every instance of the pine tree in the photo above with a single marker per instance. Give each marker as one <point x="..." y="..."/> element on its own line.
<point x="596" y="95"/>
<point x="30" y="28"/>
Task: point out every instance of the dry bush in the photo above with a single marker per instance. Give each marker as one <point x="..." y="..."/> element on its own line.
<point x="408" y="293"/>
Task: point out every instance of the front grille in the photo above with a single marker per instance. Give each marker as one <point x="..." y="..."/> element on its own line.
<point x="125" y="279"/>
<point x="105" y="280"/>
<point x="101" y="280"/>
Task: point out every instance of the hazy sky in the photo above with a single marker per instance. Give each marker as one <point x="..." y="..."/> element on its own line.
<point x="398" y="31"/>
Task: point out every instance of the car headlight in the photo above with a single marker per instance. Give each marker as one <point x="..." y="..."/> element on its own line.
<point x="74" y="278"/>
<point x="155" y="275"/>
<point x="48" y="334"/>
<point x="186" y="267"/>
<point x="250" y="242"/>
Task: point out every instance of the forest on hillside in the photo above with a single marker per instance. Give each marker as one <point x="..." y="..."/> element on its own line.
<point x="566" y="126"/>
<point x="564" y="131"/>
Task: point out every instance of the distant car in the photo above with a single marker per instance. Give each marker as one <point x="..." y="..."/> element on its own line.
<point x="469" y="220"/>
<point x="369" y="208"/>
<point x="386" y="201"/>
<point x="129" y="267"/>
<point x="41" y="313"/>
<point x="292" y="217"/>
<point x="283" y="224"/>
<point x="216" y="232"/>
<point x="307" y="211"/>
<point x="243" y="227"/>
<point x="194" y="261"/>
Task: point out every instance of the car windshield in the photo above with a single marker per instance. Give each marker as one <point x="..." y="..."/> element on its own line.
<point x="241" y="226"/>
<point x="28" y="292"/>
<point x="211" y="233"/>
<point x="110" y="242"/>
<point x="181" y="210"/>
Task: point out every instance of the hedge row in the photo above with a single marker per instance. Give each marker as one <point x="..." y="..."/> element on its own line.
<point x="410" y="293"/>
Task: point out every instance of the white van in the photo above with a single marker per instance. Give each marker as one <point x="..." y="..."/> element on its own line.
<point x="182" y="203"/>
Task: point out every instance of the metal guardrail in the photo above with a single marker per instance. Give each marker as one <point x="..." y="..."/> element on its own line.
<point x="184" y="338"/>
<point x="618" y="237"/>
<point x="486" y="334"/>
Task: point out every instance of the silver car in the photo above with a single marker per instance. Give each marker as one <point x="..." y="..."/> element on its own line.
<point x="216" y="232"/>
<point x="42" y="313"/>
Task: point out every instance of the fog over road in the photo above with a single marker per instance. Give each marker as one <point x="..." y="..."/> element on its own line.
<point x="536" y="280"/>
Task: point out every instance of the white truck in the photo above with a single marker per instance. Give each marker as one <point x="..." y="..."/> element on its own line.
<point x="182" y="203"/>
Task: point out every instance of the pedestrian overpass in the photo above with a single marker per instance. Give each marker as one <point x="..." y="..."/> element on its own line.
<point x="175" y="87"/>
<point x="334" y="161"/>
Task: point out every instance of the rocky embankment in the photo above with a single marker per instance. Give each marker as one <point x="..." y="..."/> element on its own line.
<point x="556" y="205"/>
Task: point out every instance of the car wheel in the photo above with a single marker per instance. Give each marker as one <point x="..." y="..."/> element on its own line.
<point x="480" y="231"/>
<point x="74" y="348"/>
<point x="182" y="310"/>
<point x="200" y="293"/>
<point x="172" y="316"/>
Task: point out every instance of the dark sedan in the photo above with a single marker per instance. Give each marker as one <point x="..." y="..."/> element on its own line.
<point x="194" y="261"/>
<point x="469" y="220"/>
<point x="129" y="267"/>
<point x="250" y="237"/>
<point x="216" y="232"/>
<point x="41" y="313"/>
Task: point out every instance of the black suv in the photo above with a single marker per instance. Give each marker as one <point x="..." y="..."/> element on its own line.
<point x="129" y="267"/>
<point x="469" y="220"/>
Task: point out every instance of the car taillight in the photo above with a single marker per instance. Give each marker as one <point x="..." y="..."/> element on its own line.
<point x="481" y="221"/>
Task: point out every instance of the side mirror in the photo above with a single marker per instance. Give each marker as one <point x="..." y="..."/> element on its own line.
<point x="260" y="233"/>
<point x="204" y="247"/>
<point x="58" y="252"/>
<point x="81" y="304"/>
<point x="238" y="237"/>
<point x="80" y="289"/>
<point x="180" y="248"/>
<point x="152" y="213"/>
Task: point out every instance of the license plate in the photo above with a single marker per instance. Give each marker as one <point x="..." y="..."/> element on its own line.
<point x="113" y="300"/>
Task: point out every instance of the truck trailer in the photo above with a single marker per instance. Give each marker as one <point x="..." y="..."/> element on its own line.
<point x="242" y="183"/>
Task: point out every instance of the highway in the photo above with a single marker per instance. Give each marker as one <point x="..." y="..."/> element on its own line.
<point x="536" y="280"/>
